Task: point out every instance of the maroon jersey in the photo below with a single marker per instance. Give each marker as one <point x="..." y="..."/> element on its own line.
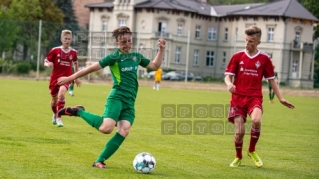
<point x="62" y="62"/>
<point x="249" y="72"/>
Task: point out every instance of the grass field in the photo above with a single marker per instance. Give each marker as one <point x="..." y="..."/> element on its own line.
<point x="31" y="147"/>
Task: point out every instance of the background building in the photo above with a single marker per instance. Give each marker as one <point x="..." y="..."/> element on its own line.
<point x="201" y="38"/>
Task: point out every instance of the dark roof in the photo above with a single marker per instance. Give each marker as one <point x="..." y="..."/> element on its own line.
<point x="223" y="10"/>
<point x="286" y="8"/>
<point x="103" y="4"/>
<point x="183" y="5"/>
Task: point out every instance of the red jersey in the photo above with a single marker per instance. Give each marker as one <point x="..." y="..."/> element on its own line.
<point x="249" y="72"/>
<point x="62" y="62"/>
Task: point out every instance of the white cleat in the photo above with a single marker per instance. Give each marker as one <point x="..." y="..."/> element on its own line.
<point x="59" y="122"/>
<point x="54" y="119"/>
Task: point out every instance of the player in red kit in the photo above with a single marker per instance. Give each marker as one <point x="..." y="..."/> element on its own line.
<point x="249" y="67"/>
<point x="61" y="59"/>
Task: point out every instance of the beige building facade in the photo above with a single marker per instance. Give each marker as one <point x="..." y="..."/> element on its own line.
<point x="201" y="38"/>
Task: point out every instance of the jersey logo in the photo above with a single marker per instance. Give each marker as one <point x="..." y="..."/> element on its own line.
<point x="123" y="59"/>
<point x="241" y="69"/>
<point x="257" y="64"/>
<point x="241" y="63"/>
<point x="71" y="57"/>
<point x="134" y="59"/>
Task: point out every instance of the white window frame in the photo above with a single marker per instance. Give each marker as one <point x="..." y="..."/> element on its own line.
<point x="197" y="32"/>
<point x="104" y="25"/>
<point x="179" y="29"/>
<point x="178" y="55"/>
<point x="196" y="57"/>
<point x="226" y="34"/>
<point x="271" y="32"/>
<point x="212" y="33"/>
<point x="224" y="59"/>
<point x="210" y="58"/>
<point x="122" y="22"/>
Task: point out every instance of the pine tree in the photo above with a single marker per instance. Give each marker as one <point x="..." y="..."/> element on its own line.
<point x="69" y="21"/>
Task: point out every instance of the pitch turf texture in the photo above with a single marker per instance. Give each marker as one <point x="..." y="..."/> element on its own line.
<point x="31" y="147"/>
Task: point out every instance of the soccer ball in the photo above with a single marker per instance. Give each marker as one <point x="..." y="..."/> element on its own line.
<point x="144" y="163"/>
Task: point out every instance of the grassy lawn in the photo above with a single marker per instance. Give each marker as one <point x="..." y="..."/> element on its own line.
<point x="31" y="147"/>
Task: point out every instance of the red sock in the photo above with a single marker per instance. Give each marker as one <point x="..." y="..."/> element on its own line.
<point x="239" y="148"/>
<point x="60" y="105"/>
<point x="254" y="136"/>
<point x="53" y="109"/>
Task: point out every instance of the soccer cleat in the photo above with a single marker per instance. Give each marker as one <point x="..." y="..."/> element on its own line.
<point x="99" y="165"/>
<point x="236" y="162"/>
<point x="54" y="119"/>
<point x="71" y="93"/>
<point x="255" y="158"/>
<point x="71" y="111"/>
<point x="59" y="122"/>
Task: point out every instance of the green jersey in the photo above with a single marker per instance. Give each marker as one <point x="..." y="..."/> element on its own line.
<point x="124" y="73"/>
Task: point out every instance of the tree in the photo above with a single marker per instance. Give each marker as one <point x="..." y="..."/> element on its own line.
<point x="8" y="30"/>
<point x="312" y="6"/>
<point x="25" y="15"/>
<point x="69" y="21"/>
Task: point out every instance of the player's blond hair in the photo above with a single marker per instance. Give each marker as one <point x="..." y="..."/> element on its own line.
<point x="253" y="31"/>
<point x="66" y="32"/>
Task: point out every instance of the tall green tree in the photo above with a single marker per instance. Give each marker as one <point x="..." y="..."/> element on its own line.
<point x="313" y="7"/>
<point x="8" y="30"/>
<point x="69" y="20"/>
<point x="26" y="14"/>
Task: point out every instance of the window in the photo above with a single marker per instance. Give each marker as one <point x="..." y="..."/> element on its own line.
<point x="103" y="50"/>
<point x="270" y="34"/>
<point x="210" y="58"/>
<point x="212" y="33"/>
<point x="122" y="22"/>
<point x="197" y="32"/>
<point x="196" y="57"/>
<point x="104" y="26"/>
<point x="226" y="34"/>
<point x="162" y="27"/>
<point x="224" y="60"/>
<point x="297" y="38"/>
<point x="178" y="55"/>
<point x="179" y="29"/>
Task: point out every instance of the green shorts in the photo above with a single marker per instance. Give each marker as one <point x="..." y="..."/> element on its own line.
<point x="119" y="110"/>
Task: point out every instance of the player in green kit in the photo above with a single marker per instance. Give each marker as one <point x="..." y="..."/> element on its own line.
<point x="119" y="109"/>
<point x="271" y="91"/>
<point x="71" y="86"/>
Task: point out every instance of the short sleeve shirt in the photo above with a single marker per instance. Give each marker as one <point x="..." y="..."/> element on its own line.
<point x="124" y="74"/>
<point x="249" y="72"/>
<point x="62" y="62"/>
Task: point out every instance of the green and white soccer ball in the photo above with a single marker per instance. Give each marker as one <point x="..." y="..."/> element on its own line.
<point x="144" y="162"/>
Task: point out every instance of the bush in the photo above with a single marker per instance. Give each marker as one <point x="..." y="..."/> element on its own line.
<point x="22" y="68"/>
<point x="34" y="66"/>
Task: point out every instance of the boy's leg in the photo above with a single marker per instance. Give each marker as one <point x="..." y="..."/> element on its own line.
<point x="254" y="135"/>
<point x="110" y="148"/>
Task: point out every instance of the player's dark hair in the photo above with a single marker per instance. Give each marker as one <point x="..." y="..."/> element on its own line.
<point x="121" y="31"/>
<point x="253" y="30"/>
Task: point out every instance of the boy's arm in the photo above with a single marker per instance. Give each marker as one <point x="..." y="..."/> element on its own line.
<point x="274" y="86"/>
<point x="230" y="86"/>
<point x="156" y="63"/>
<point x="94" y="67"/>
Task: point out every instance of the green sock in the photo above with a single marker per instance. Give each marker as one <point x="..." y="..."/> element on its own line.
<point x="110" y="148"/>
<point x="272" y="95"/>
<point x="71" y="88"/>
<point x="92" y="119"/>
